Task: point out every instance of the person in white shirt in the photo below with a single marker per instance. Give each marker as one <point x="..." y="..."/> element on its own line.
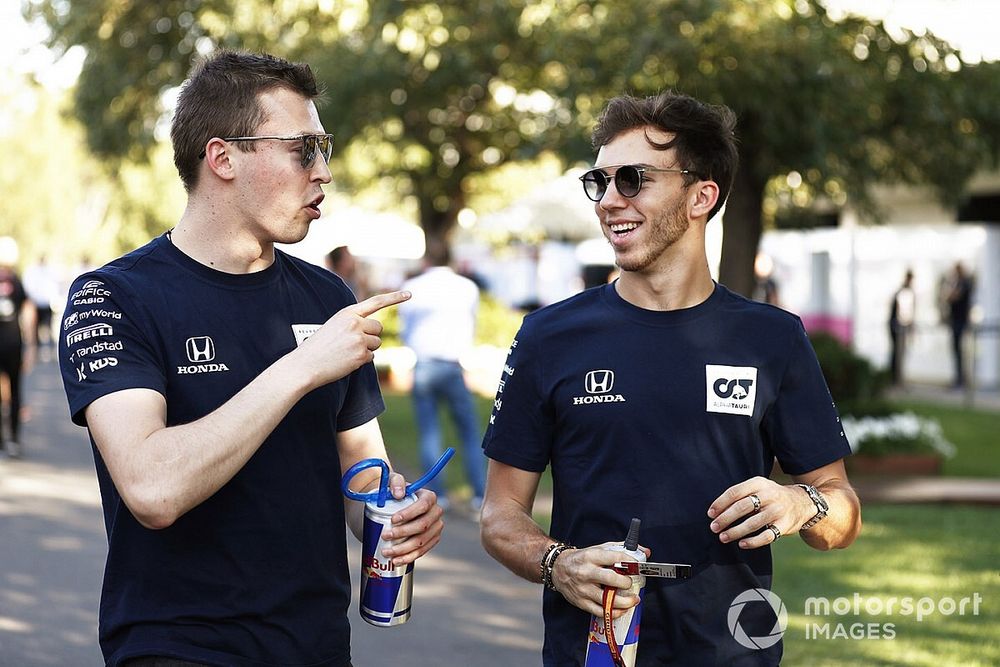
<point x="901" y="317"/>
<point x="438" y="324"/>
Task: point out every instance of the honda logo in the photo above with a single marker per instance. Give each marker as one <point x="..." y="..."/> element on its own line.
<point x="200" y="348"/>
<point x="600" y="382"/>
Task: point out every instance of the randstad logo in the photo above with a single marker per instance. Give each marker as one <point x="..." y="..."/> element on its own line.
<point x="200" y="350"/>
<point x="757" y="596"/>
<point x="598" y="385"/>
<point x="730" y="389"/>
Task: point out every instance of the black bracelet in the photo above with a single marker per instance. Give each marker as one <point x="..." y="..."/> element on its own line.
<point x="547" y="579"/>
<point x="544" y="562"/>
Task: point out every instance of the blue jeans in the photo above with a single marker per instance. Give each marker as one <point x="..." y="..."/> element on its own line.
<point x="436" y="381"/>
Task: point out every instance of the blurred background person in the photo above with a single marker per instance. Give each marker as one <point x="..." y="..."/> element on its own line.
<point x="17" y="327"/>
<point x="42" y="285"/>
<point x="344" y="264"/>
<point x="765" y="286"/>
<point x="959" y="301"/>
<point x="438" y="324"/>
<point x="901" y="314"/>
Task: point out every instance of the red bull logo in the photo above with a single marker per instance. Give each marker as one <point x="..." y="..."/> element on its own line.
<point x="372" y="565"/>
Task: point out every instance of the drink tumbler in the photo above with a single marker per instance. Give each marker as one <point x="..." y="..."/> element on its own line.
<point x="626" y="627"/>
<point x="386" y="588"/>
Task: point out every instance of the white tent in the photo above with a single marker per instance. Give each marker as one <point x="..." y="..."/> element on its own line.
<point x="556" y="210"/>
<point x="371" y="235"/>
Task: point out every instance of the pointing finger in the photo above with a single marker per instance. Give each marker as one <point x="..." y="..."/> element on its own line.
<point x="376" y="303"/>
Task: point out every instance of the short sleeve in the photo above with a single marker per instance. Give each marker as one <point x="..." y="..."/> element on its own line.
<point x="521" y="425"/>
<point x="363" y="401"/>
<point x="802" y="426"/>
<point x="103" y="347"/>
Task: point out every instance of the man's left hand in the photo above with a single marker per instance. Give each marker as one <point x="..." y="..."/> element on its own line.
<point x="416" y="529"/>
<point x="759" y="511"/>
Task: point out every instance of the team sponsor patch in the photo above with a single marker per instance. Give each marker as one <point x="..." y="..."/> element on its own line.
<point x="303" y="331"/>
<point x="730" y="389"/>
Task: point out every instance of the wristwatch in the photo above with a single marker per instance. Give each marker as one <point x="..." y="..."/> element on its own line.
<point x="821" y="506"/>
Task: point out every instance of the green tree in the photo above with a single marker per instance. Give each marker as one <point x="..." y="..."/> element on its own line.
<point x="432" y="93"/>
<point x="840" y="105"/>
<point x="54" y="194"/>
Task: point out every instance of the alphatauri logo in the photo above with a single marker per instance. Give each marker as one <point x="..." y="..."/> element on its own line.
<point x="598" y="385"/>
<point x="201" y="353"/>
<point x="730" y="389"/>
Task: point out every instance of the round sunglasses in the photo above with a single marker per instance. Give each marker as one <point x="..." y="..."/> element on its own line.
<point x="628" y="180"/>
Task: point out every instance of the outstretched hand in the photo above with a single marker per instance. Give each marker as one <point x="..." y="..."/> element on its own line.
<point x="347" y="340"/>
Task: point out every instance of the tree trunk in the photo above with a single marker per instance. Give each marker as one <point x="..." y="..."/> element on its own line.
<point x="438" y="224"/>
<point x="742" y="227"/>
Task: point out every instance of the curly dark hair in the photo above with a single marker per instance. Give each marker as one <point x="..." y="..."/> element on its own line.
<point x="704" y="134"/>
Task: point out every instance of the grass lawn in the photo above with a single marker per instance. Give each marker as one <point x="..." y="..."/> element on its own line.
<point x="941" y="553"/>
<point x="975" y="433"/>
<point x="400" y="432"/>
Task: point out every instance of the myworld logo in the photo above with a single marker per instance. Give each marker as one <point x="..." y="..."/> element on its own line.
<point x="757" y="596"/>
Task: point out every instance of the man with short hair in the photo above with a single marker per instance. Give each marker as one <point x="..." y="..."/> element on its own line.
<point x="666" y="397"/>
<point x="438" y="325"/>
<point x="227" y="386"/>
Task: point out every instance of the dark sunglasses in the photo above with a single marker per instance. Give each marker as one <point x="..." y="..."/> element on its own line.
<point x="628" y="180"/>
<point x="311" y="144"/>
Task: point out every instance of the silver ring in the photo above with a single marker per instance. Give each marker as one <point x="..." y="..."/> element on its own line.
<point x="775" y="531"/>
<point x="756" y="502"/>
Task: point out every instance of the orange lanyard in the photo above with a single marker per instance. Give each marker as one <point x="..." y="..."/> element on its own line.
<point x="609" y="626"/>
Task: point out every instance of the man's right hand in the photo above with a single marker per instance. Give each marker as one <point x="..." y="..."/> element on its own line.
<point x="580" y="575"/>
<point x="347" y="340"/>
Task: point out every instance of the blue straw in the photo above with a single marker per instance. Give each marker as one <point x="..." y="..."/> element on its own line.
<point x="382" y="495"/>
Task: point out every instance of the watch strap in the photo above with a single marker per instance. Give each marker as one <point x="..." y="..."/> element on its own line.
<point x="822" y="508"/>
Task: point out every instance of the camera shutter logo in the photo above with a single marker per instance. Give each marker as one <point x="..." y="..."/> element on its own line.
<point x="200" y="349"/>
<point x="757" y="595"/>
<point x="600" y="382"/>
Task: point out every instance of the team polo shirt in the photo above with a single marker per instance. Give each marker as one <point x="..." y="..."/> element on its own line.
<point x="654" y="414"/>
<point x="257" y="574"/>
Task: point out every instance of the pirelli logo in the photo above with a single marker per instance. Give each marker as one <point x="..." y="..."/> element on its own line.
<point x="93" y="331"/>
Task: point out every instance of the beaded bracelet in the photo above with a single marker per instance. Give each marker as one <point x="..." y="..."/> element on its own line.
<point x="547" y="577"/>
<point x="544" y="562"/>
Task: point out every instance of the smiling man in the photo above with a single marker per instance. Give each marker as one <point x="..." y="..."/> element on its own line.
<point x="226" y="387"/>
<point x="666" y="397"/>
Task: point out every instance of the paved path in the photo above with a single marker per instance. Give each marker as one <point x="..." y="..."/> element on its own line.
<point x="52" y="549"/>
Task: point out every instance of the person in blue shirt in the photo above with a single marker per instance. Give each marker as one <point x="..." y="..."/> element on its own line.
<point x="666" y="397"/>
<point x="226" y="387"/>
